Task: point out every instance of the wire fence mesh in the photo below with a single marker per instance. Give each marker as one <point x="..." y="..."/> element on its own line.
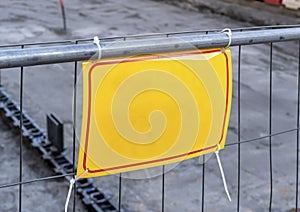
<point x="261" y="155"/>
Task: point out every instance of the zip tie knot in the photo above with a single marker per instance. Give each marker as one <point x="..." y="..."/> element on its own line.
<point x="97" y="42"/>
<point x="228" y="32"/>
<point x="72" y="182"/>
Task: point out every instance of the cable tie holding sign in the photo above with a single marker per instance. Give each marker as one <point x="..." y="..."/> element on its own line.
<point x="97" y="42"/>
<point x="228" y="32"/>
<point x="72" y="182"/>
<point x="222" y="173"/>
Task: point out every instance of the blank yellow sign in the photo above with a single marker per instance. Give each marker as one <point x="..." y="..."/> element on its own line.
<point x="151" y="110"/>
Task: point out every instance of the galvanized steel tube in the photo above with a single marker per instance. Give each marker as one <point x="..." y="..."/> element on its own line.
<point x="68" y="53"/>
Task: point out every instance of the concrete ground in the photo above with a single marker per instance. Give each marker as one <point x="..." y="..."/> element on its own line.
<point x="49" y="89"/>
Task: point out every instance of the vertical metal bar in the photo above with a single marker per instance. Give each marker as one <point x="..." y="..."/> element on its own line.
<point x="21" y="138"/>
<point x="297" y="149"/>
<point x="203" y="183"/>
<point x="163" y="180"/>
<point x="120" y="176"/>
<point x="270" y="126"/>
<point x="203" y="176"/>
<point x="239" y="129"/>
<point x="120" y="191"/>
<point x="163" y="190"/>
<point x="74" y="127"/>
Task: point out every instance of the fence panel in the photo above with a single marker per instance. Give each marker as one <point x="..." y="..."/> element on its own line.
<point x="261" y="156"/>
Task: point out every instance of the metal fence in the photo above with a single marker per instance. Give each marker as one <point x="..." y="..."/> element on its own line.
<point x="31" y="54"/>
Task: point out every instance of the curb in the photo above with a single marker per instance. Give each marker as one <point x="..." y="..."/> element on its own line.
<point x="253" y="12"/>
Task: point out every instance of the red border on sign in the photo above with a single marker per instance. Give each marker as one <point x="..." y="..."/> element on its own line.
<point x="157" y="160"/>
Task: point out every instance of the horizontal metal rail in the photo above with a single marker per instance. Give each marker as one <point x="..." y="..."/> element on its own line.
<point x="77" y="52"/>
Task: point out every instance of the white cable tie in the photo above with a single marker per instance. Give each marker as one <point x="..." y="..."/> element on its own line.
<point x="72" y="182"/>
<point x="228" y="32"/>
<point x="97" y="42"/>
<point x="222" y="173"/>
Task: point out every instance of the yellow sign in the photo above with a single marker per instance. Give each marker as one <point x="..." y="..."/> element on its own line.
<point x="152" y="110"/>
